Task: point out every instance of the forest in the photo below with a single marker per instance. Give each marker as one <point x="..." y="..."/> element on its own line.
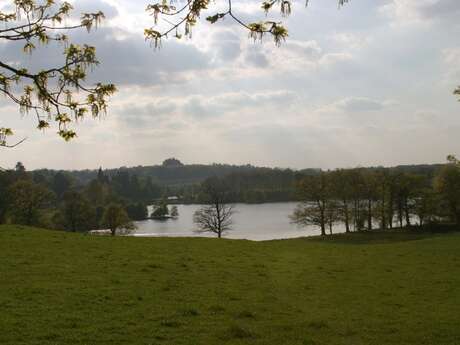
<point x="360" y="198"/>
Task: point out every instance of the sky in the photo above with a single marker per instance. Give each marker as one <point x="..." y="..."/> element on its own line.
<point x="369" y="84"/>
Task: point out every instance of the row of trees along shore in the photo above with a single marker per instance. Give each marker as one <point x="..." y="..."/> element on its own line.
<point x="365" y="199"/>
<point x="357" y="199"/>
<point x="58" y="203"/>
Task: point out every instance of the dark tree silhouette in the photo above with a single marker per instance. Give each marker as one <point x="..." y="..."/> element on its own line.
<point x="216" y="216"/>
<point x="315" y="192"/>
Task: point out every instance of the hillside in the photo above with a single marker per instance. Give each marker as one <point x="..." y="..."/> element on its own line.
<point x="186" y="174"/>
<point x="64" y="288"/>
<point x="180" y="174"/>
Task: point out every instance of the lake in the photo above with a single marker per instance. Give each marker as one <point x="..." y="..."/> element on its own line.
<point x="258" y="222"/>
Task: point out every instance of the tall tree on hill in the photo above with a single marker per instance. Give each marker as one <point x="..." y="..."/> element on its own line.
<point x="217" y="216"/>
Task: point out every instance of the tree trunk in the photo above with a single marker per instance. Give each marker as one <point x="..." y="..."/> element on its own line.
<point x="347" y="220"/>
<point x="406" y="212"/>
<point x="384" y="218"/>
<point x="322" y="208"/>
<point x="356" y="216"/>
<point x="369" y="214"/>
<point x="390" y="212"/>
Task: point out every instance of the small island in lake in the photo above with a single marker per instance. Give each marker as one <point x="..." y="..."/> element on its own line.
<point x="161" y="211"/>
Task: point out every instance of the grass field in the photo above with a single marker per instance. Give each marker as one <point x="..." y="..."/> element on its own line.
<point x="61" y="288"/>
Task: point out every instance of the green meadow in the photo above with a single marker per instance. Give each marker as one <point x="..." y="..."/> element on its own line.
<point x="380" y="288"/>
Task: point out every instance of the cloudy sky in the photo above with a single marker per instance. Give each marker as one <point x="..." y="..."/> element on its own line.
<point x="369" y="84"/>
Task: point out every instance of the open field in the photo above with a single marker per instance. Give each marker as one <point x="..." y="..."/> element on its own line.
<point x="64" y="288"/>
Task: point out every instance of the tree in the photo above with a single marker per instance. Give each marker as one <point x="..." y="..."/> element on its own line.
<point x="6" y="179"/>
<point x="314" y="192"/>
<point x="116" y="219"/>
<point x="217" y="216"/>
<point x="77" y="213"/>
<point x="425" y="206"/>
<point x="61" y="183"/>
<point x="161" y="210"/>
<point x="54" y="94"/>
<point x="172" y="163"/>
<point x="447" y="185"/>
<point x="342" y="189"/>
<point x="98" y="193"/>
<point x="370" y="194"/>
<point x="332" y="214"/>
<point x="137" y="211"/>
<point x="174" y="212"/>
<point x="27" y="199"/>
<point x="20" y="168"/>
<point x="358" y="204"/>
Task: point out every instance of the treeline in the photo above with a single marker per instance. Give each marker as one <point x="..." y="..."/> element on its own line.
<point x="364" y="199"/>
<point x="59" y="202"/>
<point x="260" y="185"/>
<point x="182" y="183"/>
<point x="148" y="183"/>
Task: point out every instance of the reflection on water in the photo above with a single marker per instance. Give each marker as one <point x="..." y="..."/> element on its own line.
<point x="252" y="222"/>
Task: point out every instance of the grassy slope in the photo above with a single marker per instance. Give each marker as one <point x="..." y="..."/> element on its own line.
<point x="60" y="288"/>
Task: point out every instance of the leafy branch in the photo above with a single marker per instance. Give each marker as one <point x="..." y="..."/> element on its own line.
<point x="57" y="95"/>
<point x="184" y="18"/>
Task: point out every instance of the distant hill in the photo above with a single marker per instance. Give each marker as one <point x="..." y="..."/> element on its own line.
<point x="172" y="178"/>
<point x="173" y="173"/>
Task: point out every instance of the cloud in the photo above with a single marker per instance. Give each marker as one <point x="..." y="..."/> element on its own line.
<point x="93" y="6"/>
<point x="125" y="58"/>
<point x="422" y="10"/>
<point x="218" y="105"/>
<point x="359" y="104"/>
<point x="221" y="97"/>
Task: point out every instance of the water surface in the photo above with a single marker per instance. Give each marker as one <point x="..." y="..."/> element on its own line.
<point x="252" y="222"/>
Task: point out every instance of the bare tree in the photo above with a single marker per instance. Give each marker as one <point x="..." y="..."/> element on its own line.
<point x="216" y="216"/>
<point x="316" y="202"/>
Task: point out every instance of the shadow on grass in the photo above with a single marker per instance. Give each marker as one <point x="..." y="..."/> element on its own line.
<point x="388" y="236"/>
